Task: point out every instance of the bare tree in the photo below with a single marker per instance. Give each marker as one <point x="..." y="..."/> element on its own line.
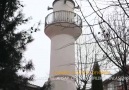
<point x="113" y="40"/>
<point x="113" y="35"/>
<point x="86" y="51"/>
<point x="116" y="49"/>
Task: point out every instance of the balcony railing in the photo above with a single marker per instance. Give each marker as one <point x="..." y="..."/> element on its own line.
<point x="63" y="16"/>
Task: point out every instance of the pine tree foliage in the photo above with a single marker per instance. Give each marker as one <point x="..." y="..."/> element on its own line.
<point x="96" y="78"/>
<point x="47" y="85"/>
<point x="12" y="45"/>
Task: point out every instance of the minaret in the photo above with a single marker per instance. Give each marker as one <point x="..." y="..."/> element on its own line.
<point x="63" y="27"/>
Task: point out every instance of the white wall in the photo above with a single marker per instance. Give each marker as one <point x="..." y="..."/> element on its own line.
<point x="59" y="5"/>
<point x="62" y="55"/>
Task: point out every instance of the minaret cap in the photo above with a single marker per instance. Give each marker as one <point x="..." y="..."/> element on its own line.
<point x="64" y="1"/>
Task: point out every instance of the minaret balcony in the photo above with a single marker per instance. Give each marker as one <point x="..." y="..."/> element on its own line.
<point x="63" y="17"/>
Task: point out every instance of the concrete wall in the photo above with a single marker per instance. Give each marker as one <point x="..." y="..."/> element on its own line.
<point x="62" y="55"/>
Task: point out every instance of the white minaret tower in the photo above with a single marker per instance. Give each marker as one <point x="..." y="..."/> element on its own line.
<point x="63" y="27"/>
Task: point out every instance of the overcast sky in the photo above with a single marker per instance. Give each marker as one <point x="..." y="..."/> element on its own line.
<point x="39" y="49"/>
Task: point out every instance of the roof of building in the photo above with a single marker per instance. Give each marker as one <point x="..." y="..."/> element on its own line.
<point x="114" y="75"/>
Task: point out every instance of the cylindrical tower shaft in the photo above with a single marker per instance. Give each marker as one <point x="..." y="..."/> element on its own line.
<point x="63" y="27"/>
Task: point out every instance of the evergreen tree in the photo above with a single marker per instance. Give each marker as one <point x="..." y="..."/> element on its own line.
<point x="12" y="45"/>
<point x="47" y="85"/>
<point x="97" y="83"/>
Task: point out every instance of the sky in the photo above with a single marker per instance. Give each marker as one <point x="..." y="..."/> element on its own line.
<point x="39" y="50"/>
